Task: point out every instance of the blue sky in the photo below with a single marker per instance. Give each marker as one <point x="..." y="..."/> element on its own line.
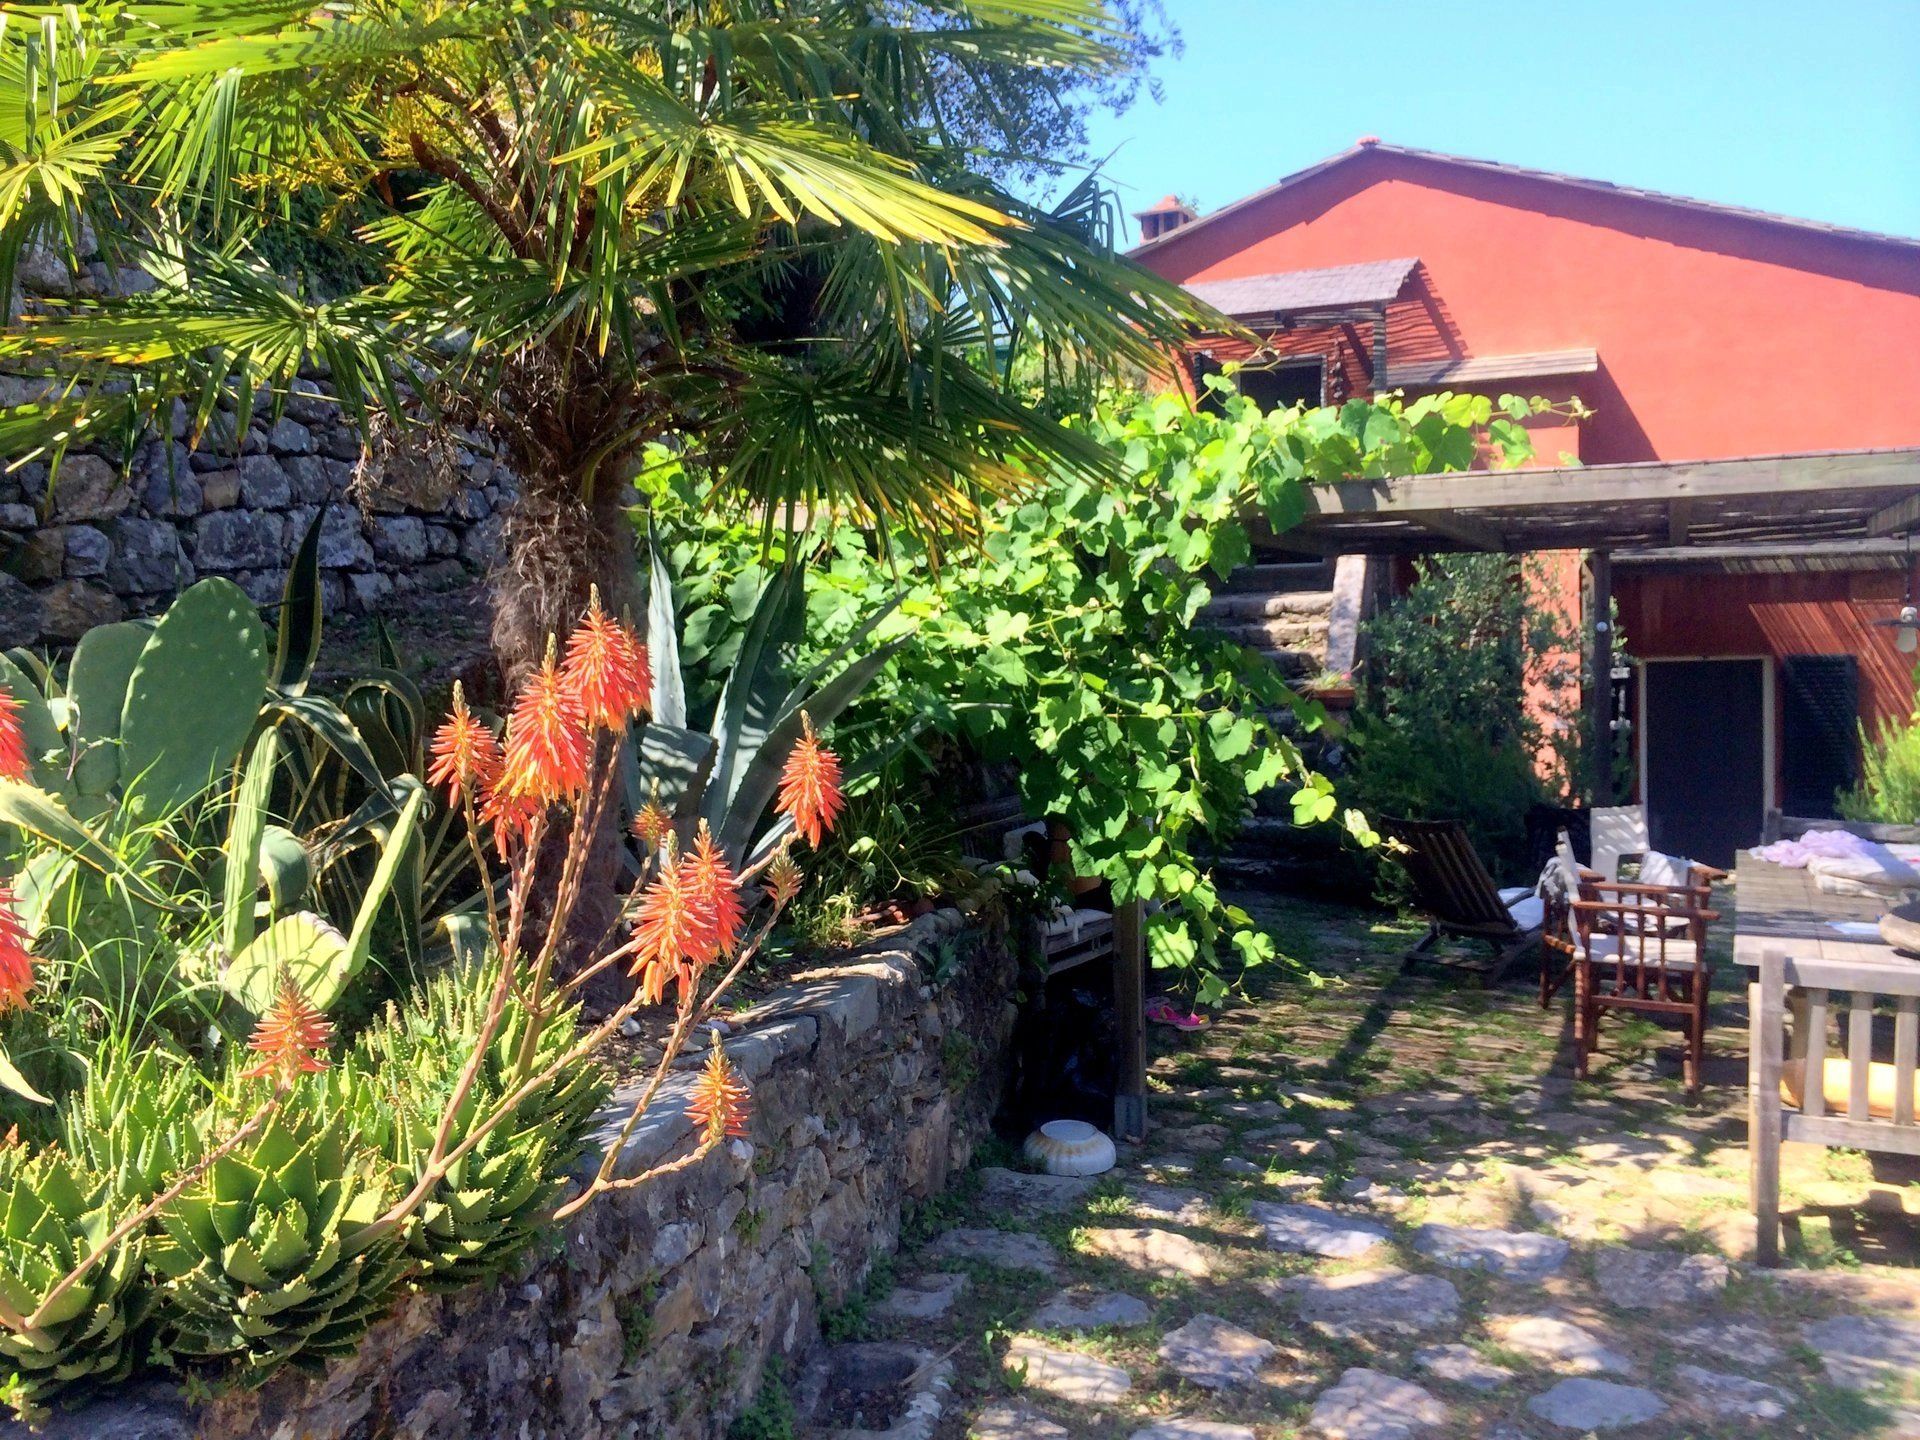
<point x="1808" y="107"/>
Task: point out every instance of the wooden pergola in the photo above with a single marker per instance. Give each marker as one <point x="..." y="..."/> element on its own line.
<point x="1851" y="509"/>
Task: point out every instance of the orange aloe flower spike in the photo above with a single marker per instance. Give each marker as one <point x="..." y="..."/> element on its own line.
<point x="671" y="931"/>
<point x="291" y="1039"/>
<point x="711" y="882"/>
<point x="719" y="1103"/>
<point x="13" y="740"/>
<point x="606" y="669"/>
<point x="16" y="955"/>
<point x="547" y="745"/>
<point x="810" y="785"/>
<point x="465" y="754"/>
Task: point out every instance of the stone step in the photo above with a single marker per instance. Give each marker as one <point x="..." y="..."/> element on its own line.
<point x="1281" y="632"/>
<point x="1280" y="576"/>
<point x="1253" y="606"/>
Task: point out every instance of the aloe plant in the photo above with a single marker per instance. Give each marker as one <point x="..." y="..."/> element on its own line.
<point x="489" y="1206"/>
<point x="58" y="1210"/>
<point x="268" y="1259"/>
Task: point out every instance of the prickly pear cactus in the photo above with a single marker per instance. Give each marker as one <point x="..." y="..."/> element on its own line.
<point x="193" y="696"/>
<point x="266" y="1260"/>
<point x="58" y="1211"/>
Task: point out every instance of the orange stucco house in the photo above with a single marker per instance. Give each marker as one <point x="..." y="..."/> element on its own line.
<point x="1694" y="331"/>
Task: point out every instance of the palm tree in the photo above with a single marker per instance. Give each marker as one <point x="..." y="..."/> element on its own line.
<point x="744" y="226"/>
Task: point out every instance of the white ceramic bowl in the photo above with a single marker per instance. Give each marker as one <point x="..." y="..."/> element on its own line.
<point x="1070" y="1147"/>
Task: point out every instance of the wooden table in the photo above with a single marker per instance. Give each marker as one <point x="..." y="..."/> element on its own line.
<point x="1781" y="908"/>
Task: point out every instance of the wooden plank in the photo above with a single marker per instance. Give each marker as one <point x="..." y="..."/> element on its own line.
<point x="1898" y="518"/>
<point x="1463" y="530"/>
<point x="1766" y="1018"/>
<point x="1600" y="668"/>
<point x="1679" y="519"/>
<point x="1551" y="488"/>
<point x="1859" y="1054"/>
<point x="1906" y="1050"/>
<point x="1813" y="1072"/>
<point x="1840" y="1133"/>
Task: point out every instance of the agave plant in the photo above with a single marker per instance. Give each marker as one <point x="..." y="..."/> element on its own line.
<point x="268" y="1258"/>
<point x="62" y="1336"/>
<point x="727" y="774"/>
<point x="486" y="1209"/>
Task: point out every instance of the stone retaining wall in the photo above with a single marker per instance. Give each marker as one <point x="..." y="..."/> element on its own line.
<point x="655" y="1311"/>
<point x="100" y="540"/>
<point x="112" y="534"/>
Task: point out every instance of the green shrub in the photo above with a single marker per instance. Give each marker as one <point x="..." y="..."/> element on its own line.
<point x="1889" y="788"/>
<point x="59" y="1210"/>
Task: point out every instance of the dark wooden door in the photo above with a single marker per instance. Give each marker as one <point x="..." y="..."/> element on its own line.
<point x="1705" y="784"/>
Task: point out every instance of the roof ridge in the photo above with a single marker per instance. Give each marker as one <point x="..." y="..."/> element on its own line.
<point x="1370" y="146"/>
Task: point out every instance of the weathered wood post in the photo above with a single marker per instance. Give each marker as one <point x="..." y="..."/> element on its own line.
<point x="1130" y="1019"/>
<point x="1600" y="668"/>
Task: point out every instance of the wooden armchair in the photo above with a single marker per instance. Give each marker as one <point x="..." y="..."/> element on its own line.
<point x="1637" y="948"/>
<point x="1797" y="1092"/>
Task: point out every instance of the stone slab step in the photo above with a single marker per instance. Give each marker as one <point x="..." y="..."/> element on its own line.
<point x="1282" y="632"/>
<point x="1256" y="605"/>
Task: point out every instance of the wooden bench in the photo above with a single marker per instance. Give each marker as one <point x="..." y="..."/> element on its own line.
<point x="1871" y="1106"/>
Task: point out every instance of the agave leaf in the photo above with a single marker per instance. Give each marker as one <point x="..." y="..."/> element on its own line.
<point x="393" y="856"/>
<point x="42" y="816"/>
<point x="663" y="639"/>
<point x="12" y="1079"/>
<point x="285" y="867"/>
<point x="750" y="701"/>
<point x="297" y="641"/>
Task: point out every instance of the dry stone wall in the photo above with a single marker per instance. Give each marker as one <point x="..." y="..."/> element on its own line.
<point x="655" y="1311"/>
<point x="115" y="534"/>
<point x="108" y="536"/>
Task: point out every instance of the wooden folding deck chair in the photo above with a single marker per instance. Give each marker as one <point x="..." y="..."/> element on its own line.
<point x="1460" y="898"/>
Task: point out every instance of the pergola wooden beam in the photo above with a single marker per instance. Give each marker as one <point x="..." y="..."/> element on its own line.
<point x="1898" y="518"/>
<point x="1771" y="499"/>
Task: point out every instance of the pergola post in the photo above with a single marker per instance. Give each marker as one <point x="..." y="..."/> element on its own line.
<point x="1130" y="1019"/>
<point x="1600" y="668"/>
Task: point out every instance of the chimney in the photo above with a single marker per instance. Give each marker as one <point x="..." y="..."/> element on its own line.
<point x="1167" y="213"/>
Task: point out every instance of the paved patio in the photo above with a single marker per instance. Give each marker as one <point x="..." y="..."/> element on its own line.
<point x="1381" y="1209"/>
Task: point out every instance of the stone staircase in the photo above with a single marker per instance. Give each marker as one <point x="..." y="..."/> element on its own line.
<point x="1282" y="610"/>
<point x="1304" y="616"/>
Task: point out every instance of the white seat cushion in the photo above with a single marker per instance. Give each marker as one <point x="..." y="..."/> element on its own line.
<point x="1680" y="954"/>
<point x="1529" y="913"/>
<point x="1510" y="894"/>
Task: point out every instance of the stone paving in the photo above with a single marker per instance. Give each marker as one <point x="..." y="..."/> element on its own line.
<point x="1380" y="1208"/>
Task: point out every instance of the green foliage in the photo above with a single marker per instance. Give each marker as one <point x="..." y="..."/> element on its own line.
<point x="1444" y="728"/>
<point x="771" y="1416"/>
<point x="1889" y="788"/>
<point x="267" y="1259"/>
<point x="58" y="1209"/>
<point x="1067" y="645"/>
<point x="487" y="1210"/>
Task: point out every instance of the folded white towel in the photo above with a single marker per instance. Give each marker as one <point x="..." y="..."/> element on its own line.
<point x="1874" y="867"/>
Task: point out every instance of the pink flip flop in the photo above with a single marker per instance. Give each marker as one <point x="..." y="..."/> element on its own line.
<point x="1161" y="1011"/>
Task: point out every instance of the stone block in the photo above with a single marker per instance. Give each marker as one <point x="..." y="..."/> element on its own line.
<point x="88" y="551"/>
<point x="219" y="489"/>
<point x="264" y="483"/>
<point x="174" y="492"/>
<point x="400" y="539"/>
<point x="239" y="540"/>
<point x="42" y="555"/>
<point x="22" y="616"/>
<point x="307" y="474"/>
<point x="73" y="607"/>
<point x="147" y="556"/>
<point x="287" y="436"/>
<point x="89" y="488"/>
